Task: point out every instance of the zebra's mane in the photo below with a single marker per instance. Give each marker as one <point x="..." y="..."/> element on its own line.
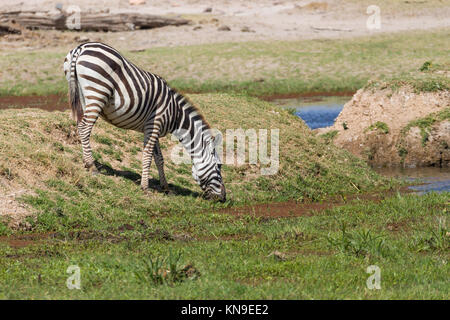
<point x="189" y="103"/>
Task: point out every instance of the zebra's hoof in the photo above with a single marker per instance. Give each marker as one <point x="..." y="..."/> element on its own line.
<point x="89" y="165"/>
<point x="168" y="192"/>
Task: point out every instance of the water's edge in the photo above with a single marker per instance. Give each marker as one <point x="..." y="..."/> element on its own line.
<point x="321" y="111"/>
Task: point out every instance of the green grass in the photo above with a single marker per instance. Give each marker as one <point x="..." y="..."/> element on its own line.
<point x="262" y="68"/>
<point x="134" y="263"/>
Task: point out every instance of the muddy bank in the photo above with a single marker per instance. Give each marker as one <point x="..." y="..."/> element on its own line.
<point x="313" y="96"/>
<point x="395" y="128"/>
<point x="290" y="209"/>
<point x="52" y="102"/>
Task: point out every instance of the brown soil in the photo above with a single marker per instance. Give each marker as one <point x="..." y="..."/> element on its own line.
<point x="296" y="209"/>
<point x="47" y="103"/>
<point x="398" y="146"/>
<point x="113" y="236"/>
<point x="25" y="240"/>
<point x="312" y="95"/>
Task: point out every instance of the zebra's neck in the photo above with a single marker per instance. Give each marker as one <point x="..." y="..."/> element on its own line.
<point x="191" y="129"/>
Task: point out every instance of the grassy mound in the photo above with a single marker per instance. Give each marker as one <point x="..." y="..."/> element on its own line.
<point x="43" y="154"/>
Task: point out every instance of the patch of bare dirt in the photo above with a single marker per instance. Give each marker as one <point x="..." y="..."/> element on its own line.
<point x="12" y="212"/>
<point x="359" y="130"/>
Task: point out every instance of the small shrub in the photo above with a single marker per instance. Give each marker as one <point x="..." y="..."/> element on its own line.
<point x="358" y="243"/>
<point x="7" y="172"/>
<point x="291" y="110"/>
<point x="402" y="152"/>
<point x="426" y="66"/>
<point x="434" y="240"/>
<point x="160" y="271"/>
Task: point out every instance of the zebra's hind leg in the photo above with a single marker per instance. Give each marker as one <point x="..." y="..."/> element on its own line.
<point x="159" y="160"/>
<point x="84" y="131"/>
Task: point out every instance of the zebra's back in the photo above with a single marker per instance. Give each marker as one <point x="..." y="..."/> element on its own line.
<point x="123" y="94"/>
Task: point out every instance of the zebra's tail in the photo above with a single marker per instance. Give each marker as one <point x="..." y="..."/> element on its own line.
<point x="74" y="92"/>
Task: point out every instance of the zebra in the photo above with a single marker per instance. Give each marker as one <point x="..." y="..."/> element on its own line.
<point x="103" y="83"/>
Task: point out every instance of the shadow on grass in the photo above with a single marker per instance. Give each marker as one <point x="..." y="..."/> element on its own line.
<point x="136" y="178"/>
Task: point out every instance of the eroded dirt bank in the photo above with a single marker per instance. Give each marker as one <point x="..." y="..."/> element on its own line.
<point x="390" y="127"/>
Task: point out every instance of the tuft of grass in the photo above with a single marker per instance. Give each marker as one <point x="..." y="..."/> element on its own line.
<point x="435" y="239"/>
<point x="380" y="126"/>
<point x="329" y="136"/>
<point x="426" y="66"/>
<point x="165" y="271"/>
<point x="424" y="124"/>
<point x="358" y="243"/>
<point x="291" y="111"/>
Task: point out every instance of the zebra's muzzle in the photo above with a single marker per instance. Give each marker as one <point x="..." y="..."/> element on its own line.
<point x="211" y="195"/>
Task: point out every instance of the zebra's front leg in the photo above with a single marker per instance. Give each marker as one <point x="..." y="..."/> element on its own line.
<point x="84" y="131"/>
<point x="159" y="160"/>
<point x="149" y="146"/>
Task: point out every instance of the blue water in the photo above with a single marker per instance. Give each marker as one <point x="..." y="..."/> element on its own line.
<point x="319" y="116"/>
<point x="430" y="185"/>
<point x="317" y="112"/>
<point x="429" y="179"/>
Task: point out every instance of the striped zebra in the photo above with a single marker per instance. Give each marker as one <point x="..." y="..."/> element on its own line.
<point x="103" y="83"/>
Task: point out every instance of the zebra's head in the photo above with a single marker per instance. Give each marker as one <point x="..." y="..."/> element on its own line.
<point x="207" y="173"/>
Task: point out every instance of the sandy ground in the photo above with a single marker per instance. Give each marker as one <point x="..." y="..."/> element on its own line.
<point x="247" y="21"/>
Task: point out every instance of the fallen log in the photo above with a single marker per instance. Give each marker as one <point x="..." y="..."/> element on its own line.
<point x="89" y="21"/>
<point x="8" y="30"/>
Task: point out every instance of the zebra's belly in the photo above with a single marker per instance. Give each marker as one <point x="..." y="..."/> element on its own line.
<point x="124" y="117"/>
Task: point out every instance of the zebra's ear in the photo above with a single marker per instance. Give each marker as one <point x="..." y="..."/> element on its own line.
<point x="217" y="140"/>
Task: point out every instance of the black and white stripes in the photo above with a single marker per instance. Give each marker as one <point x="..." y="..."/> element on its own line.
<point x="103" y="83"/>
